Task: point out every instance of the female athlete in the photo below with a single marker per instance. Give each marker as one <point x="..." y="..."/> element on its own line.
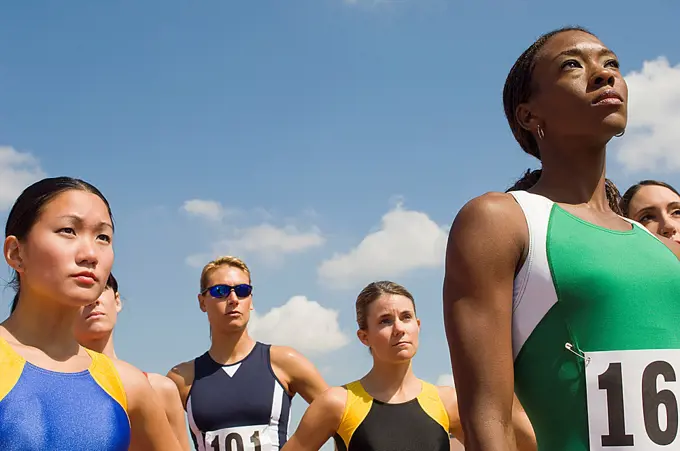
<point x="655" y="205"/>
<point x="238" y="394"/>
<point x="55" y="394"/>
<point x="389" y="408"/>
<point x="544" y="289"/>
<point x="94" y="330"/>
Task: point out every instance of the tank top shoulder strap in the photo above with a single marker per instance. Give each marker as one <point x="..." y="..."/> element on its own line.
<point x="432" y="404"/>
<point x="104" y="372"/>
<point x="533" y="288"/>
<point x="11" y="367"/>
<point x="358" y="405"/>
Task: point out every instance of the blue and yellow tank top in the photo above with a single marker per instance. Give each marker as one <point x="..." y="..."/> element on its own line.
<point x="48" y="410"/>
<point x="370" y="425"/>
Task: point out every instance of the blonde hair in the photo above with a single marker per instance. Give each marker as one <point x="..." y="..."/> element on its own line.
<point x="372" y="293"/>
<point x="227" y="260"/>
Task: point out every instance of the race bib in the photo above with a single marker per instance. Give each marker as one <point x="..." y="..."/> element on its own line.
<point x="242" y="438"/>
<point x="633" y="399"/>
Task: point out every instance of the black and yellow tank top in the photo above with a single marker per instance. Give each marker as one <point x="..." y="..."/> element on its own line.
<point x="370" y="425"/>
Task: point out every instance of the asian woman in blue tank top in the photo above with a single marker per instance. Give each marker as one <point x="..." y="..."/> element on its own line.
<point x="54" y="394"/>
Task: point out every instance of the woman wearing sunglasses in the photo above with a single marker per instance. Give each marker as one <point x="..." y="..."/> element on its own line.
<point x="238" y="394"/>
<point x="94" y="330"/>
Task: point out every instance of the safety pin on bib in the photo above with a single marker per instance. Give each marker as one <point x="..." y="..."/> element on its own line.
<point x="569" y="347"/>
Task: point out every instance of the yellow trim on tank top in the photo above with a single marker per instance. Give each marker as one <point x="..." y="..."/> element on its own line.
<point x="11" y="367"/>
<point x="106" y="376"/>
<point x="432" y="404"/>
<point x="359" y="403"/>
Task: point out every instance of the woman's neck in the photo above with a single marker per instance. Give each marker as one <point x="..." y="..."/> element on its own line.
<point x="392" y="381"/>
<point x="102" y="344"/>
<point x="574" y="175"/>
<point x="230" y="347"/>
<point x="44" y="324"/>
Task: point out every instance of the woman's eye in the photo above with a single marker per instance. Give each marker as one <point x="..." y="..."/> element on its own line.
<point x="570" y="64"/>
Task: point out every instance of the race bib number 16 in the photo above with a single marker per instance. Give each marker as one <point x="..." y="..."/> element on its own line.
<point x="633" y="399"/>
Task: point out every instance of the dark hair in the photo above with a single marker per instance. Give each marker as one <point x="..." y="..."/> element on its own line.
<point x="112" y="283"/>
<point x="530" y="178"/>
<point x="372" y="292"/>
<point x="517" y="90"/>
<point x="29" y="205"/>
<point x="633" y="190"/>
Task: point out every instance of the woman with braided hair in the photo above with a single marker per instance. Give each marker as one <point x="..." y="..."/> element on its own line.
<point x="554" y="302"/>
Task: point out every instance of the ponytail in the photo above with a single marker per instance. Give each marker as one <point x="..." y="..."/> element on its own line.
<point x="14" y="283"/>
<point x="15" y="302"/>
<point x="530" y="178"/>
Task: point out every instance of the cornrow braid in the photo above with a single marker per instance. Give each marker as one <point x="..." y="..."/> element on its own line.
<point x="518" y="89"/>
<point x="613" y="196"/>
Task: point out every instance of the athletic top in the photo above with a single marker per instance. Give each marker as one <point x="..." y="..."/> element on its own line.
<point x="595" y="311"/>
<point x="48" y="410"/>
<point x="371" y="425"/>
<point x="238" y="407"/>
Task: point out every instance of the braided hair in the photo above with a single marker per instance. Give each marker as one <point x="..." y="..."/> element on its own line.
<point x="518" y="90"/>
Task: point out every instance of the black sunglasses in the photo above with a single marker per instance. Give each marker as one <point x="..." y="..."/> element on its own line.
<point x="223" y="290"/>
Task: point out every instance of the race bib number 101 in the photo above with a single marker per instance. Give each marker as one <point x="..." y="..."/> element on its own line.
<point x="243" y="438"/>
<point x="633" y="399"/>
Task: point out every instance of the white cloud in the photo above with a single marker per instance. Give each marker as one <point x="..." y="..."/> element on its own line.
<point x="17" y="171"/>
<point x="207" y="209"/>
<point x="652" y="137"/>
<point x="267" y="239"/>
<point x="407" y="240"/>
<point x="446" y="380"/>
<point x="302" y="324"/>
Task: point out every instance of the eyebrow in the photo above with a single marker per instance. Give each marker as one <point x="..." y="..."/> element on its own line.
<point x="77" y="219"/>
<point x="575" y="51"/>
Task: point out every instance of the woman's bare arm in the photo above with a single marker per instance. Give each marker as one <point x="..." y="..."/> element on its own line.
<point x="485" y="246"/>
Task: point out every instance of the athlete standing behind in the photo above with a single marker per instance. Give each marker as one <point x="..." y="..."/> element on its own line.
<point x="551" y="289"/>
<point x="655" y="205"/>
<point x="55" y="394"/>
<point x="94" y="330"/>
<point x="238" y="394"/>
<point x="389" y="408"/>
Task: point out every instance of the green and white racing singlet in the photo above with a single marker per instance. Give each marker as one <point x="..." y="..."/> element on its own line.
<point x="596" y="334"/>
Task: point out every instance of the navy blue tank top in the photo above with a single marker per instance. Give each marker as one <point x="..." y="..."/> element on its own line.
<point x="238" y="407"/>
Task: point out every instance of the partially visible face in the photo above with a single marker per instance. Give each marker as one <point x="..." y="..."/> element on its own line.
<point x="230" y="313"/>
<point x="100" y="317"/>
<point x="392" y="329"/>
<point x="68" y="253"/>
<point x="578" y="89"/>
<point x="658" y="209"/>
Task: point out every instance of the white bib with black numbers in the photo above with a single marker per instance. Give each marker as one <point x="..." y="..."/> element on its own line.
<point x="633" y="399"/>
<point x="243" y="438"/>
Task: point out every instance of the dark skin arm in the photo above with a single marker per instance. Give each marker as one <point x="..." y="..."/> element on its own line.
<point x="486" y="244"/>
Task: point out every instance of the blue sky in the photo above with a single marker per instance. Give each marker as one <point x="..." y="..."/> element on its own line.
<point x="307" y="134"/>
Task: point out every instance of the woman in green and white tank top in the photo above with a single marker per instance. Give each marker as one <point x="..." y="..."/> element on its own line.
<point x="549" y="290"/>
